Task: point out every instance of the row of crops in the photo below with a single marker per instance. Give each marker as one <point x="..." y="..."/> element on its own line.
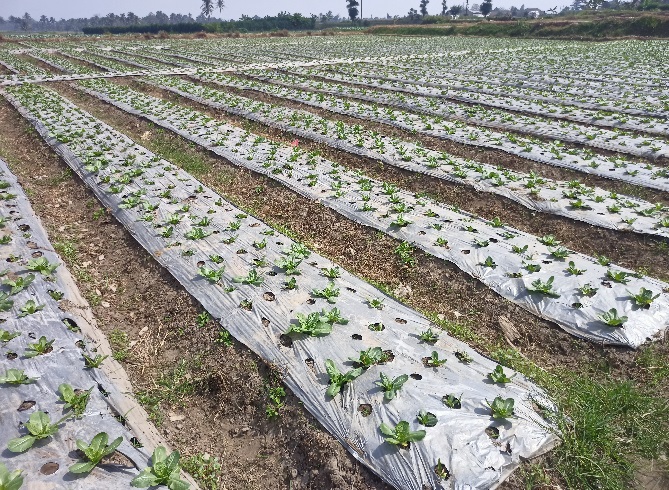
<point x="409" y="388"/>
<point x="409" y="401"/>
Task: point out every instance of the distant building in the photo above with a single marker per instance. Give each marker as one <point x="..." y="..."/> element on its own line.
<point x="533" y="13"/>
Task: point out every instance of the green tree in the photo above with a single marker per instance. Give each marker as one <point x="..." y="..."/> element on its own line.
<point x="455" y="10"/>
<point x="352" y="7"/>
<point x="486" y="7"/>
<point x="208" y="6"/>
<point x="444" y="8"/>
<point x="423" y="7"/>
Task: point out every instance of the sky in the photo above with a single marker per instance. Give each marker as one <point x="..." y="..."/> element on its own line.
<point x="234" y="9"/>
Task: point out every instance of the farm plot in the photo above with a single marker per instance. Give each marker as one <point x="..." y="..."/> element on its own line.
<point x="553" y="153"/>
<point x="308" y="316"/>
<point x="519" y="266"/>
<point x="59" y="384"/>
<point x="619" y="140"/>
<point x="571" y="199"/>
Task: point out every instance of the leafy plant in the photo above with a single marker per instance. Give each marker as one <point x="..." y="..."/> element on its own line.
<point x="41" y="347"/>
<point x="452" y="401"/>
<point x="612" y="319"/>
<point x="19" y="284"/>
<point x="332" y="273"/>
<point x="489" y="262"/>
<point x="95" y="452"/>
<point x="290" y="264"/>
<point x="428" y="419"/>
<point x="519" y="250"/>
<point x="165" y="471"/>
<point x="618" y="276"/>
<point x="10" y="480"/>
<point x="253" y="278"/>
<point x="441" y="470"/>
<point x="375" y="303"/>
<point x="463" y="357"/>
<point x="212" y="275"/>
<point x="334" y="316"/>
<point x="390" y="386"/>
<point x="434" y="361"/>
<point x="6" y="336"/>
<point x="5" y="303"/>
<point x="588" y="290"/>
<point x="549" y="240"/>
<point x="572" y="269"/>
<point x="313" y="324"/>
<point x="559" y="252"/>
<point x="499" y="376"/>
<point x="338" y="379"/>
<point x="330" y="293"/>
<point x="94" y="362"/>
<point x="401" y="435"/>
<point x="39" y="427"/>
<point x="197" y="234"/>
<point x="501" y="408"/>
<point x="644" y="298"/>
<point x="545" y="288"/>
<point x="429" y="336"/>
<point x="75" y="400"/>
<point x="369" y="357"/>
<point x="15" y="377"/>
<point x="30" y="308"/>
<point x="42" y="266"/>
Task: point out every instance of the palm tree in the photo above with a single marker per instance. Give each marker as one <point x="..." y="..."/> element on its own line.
<point x="208" y="7"/>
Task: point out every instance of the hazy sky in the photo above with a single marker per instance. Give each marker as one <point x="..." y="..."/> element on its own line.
<point x="234" y="9"/>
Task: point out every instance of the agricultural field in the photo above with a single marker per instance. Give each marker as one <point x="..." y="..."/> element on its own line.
<point x="334" y="262"/>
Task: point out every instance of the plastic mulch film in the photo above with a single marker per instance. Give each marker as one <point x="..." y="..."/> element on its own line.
<point x="578" y="291"/>
<point x="596" y="206"/>
<point x="552" y="153"/>
<point x="50" y="309"/>
<point x="194" y="233"/>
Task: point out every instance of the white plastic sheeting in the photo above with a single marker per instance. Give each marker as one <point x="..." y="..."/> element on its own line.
<point x="470" y="240"/>
<point x="109" y="403"/>
<point x="260" y="315"/>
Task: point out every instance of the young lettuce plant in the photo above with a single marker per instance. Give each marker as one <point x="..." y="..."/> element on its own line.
<point x="290" y="265"/>
<point x="337" y="379"/>
<point x="39" y="427"/>
<point x="313" y="324"/>
<point x="498" y="376"/>
<point x="95" y="452"/>
<point x="401" y="435"/>
<point x="429" y="336"/>
<point x="42" y="266"/>
<point x="644" y="298"/>
<point x="330" y="293"/>
<point x="212" y="275"/>
<point x="19" y="284"/>
<point x="41" y="347"/>
<point x="94" y="362"/>
<point x="501" y="408"/>
<point x="428" y="419"/>
<point x="390" y="387"/>
<point x="253" y="278"/>
<point x="6" y="304"/>
<point x="369" y="357"/>
<point x="434" y="361"/>
<point x="10" y="480"/>
<point x="6" y="336"/>
<point x="30" y="308"/>
<point x="165" y="471"/>
<point x="75" y="400"/>
<point x="612" y="319"/>
<point x="545" y="288"/>
<point x="15" y="377"/>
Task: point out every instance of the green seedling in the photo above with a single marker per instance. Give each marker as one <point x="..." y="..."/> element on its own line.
<point x="428" y="419"/>
<point x="618" y="276"/>
<point x="42" y="266"/>
<point x="212" y="275"/>
<point x="75" y="400"/>
<point x="290" y="264"/>
<point x="41" y="347"/>
<point x="452" y="401"/>
<point x="499" y="376"/>
<point x="330" y="293"/>
<point x="489" y="262"/>
<point x="369" y="357"/>
<point x="10" y="480"/>
<point x="164" y="471"/>
<point x="545" y="288"/>
<point x="501" y="408"/>
<point x="94" y="362"/>
<point x="401" y="435"/>
<point x="429" y="336"/>
<point x="6" y="336"/>
<point x="390" y="387"/>
<point x="253" y="278"/>
<point x="434" y="361"/>
<point x="334" y="316"/>
<point x="612" y="319"/>
<point x="644" y="298"/>
<point x="332" y="273"/>
<point x="39" y="427"/>
<point x="6" y="304"/>
<point x="572" y="269"/>
<point x="463" y="357"/>
<point x="375" y="303"/>
<point x="15" y="377"/>
<point x="313" y="324"/>
<point x="19" y="284"/>
<point x="337" y="379"/>
<point x="30" y="308"/>
<point x="95" y="452"/>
